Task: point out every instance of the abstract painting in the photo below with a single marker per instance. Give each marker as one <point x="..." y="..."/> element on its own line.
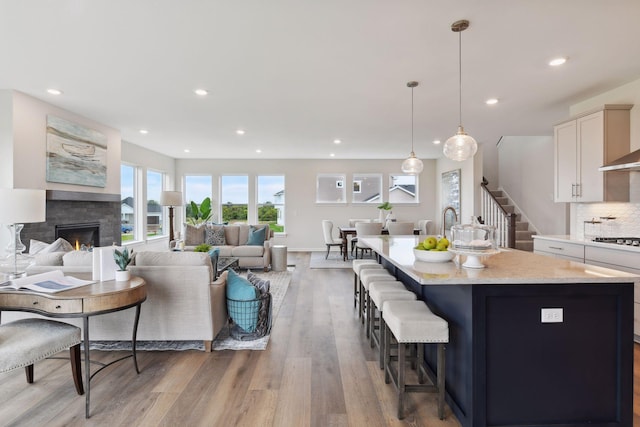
<point x="75" y="154"/>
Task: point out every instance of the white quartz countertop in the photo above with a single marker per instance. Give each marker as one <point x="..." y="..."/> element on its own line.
<point x="507" y="267"/>
<point x="588" y="242"/>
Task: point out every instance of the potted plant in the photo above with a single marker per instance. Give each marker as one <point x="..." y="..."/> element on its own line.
<point x="202" y="247"/>
<point x="386" y="206"/>
<point x="123" y="259"/>
<point x="199" y="214"/>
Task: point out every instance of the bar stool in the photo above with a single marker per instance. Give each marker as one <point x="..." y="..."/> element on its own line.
<point x="368" y="276"/>
<point x="411" y="322"/>
<point x="395" y="285"/>
<point x="358" y="265"/>
<point x="379" y="292"/>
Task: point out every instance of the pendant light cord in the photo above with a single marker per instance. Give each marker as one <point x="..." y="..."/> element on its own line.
<point x="411" y="120"/>
<point x="460" y="77"/>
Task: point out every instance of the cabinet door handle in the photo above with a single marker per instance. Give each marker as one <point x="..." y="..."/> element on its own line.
<point x="579" y="190"/>
<point x="556" y="247"/>
<point x="573" y="190"/>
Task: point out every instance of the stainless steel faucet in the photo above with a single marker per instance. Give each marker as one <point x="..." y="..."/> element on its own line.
<point x="444" y="218"/>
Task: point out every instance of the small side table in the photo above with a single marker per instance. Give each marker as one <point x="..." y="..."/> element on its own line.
<point x="279" y="258"/>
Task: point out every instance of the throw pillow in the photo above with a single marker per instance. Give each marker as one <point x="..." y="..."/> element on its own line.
<point x="193" y="235"/>
<point x="36" y="246"/>
<point x="214" y="236"/>
<point x="242" y="301"/>
<point x="59" y="245"/>
<point x="214" y="254"/>
<point x="263" y="285"/>
<point x="256" y="236"/>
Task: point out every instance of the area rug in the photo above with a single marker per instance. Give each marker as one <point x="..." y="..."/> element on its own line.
<point x="279" y="285"/>
<point x="333" y="261"/>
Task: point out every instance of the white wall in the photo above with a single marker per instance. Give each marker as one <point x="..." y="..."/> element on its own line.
<point x="304" y="216"/>
<point x="526" y="166"/>
<point x="6" y="139"/>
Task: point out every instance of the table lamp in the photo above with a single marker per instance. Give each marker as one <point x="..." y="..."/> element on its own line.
<point x="171" y="199"/>
<point x="19" y="206"/>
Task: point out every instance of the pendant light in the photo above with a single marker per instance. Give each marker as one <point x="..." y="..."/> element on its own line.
<point x="460" y="146"/>
<point x="412" y="165"/>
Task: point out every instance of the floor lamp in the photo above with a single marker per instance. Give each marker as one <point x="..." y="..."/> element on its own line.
<point x="19" y="206"/>
<point x="171" y="199"/>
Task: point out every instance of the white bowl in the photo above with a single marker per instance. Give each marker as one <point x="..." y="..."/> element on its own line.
<point x="433" y="256"/>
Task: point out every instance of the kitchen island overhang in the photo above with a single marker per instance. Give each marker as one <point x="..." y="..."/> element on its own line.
<point x="505" y="366"/>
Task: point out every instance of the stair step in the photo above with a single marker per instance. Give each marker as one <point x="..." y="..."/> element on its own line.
<point x="522" y="226"/>
<point x="502" y="200"/>
<point x="524" y="235"/>
<point x="524" y="245"/>
<point x="509" y="208"/>
<point x="497" y="193"/>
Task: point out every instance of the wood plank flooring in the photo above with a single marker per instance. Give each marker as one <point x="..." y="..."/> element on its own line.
<point x="318" y="370"/>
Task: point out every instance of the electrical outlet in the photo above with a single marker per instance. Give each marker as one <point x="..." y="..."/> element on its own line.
<point x="551" y="315"/>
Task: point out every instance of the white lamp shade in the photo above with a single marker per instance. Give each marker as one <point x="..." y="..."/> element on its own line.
<point x="21" y="206"/>
<point x="412" y="165"/>
<point x="460" y="146"/>
<point x="171" y="198"/>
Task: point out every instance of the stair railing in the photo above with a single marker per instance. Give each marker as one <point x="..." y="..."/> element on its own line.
<point x="494" y="214"/>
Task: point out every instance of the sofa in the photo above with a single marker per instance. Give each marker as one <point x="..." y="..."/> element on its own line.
<point x="251" y="244"/>
<point x="183" y="303"/>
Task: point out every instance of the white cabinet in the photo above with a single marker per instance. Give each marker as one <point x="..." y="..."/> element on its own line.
<point x="581" y="146"/>
<point x="559" y="249"/>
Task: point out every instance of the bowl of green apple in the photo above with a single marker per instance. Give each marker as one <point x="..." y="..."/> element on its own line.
<point x="433" y="249"/>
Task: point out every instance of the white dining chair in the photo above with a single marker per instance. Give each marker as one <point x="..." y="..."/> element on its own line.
<point x="366" y="229"/>
<point x="425" y="226"/>
<point x="329" y="240"/>
<point x="400" y="228"/>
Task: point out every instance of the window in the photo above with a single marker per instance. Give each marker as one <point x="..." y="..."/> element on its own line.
<point x="127" y="205"/>
<point x="330" y="188"/>
<point x="196" y="189"/>
<point x="154" y="209"/>
<point x="367" y="188"/>
<point x="234" y="197"/>
<point x="403" y="189"/>
<point x="270" y="192"/>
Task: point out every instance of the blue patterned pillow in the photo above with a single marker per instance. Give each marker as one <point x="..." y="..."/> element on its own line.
<point x="214" y="236"/>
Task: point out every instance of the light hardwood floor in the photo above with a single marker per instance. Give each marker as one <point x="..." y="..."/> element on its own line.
<point x="318" y="370"/>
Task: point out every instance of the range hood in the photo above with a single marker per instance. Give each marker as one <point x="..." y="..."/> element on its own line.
<point x="629" y="162"/>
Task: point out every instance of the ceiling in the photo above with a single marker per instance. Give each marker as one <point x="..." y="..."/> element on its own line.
<point x="298" y="74"/>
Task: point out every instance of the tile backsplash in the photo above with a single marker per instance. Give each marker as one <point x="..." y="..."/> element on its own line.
<point x="626" y="224"/>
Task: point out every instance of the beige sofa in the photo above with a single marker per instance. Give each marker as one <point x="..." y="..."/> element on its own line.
<point x="235" y="238"/>
<point x="183" y="302"/>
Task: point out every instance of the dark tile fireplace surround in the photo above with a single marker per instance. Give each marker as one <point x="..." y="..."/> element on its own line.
<point x="72" y="207"/>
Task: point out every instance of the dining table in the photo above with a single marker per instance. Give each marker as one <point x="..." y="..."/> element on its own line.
<point x="345" y="232"/>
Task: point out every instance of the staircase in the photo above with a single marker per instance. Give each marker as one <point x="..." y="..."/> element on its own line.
<point x="524" y="239"/>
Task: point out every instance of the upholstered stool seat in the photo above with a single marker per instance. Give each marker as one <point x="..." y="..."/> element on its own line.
<point x="26" y="341"/>
<point x="358" y="265"/>
<point x="411" y="322"/>
<point x="379" y="292"/>
<point x="368" y="276"/>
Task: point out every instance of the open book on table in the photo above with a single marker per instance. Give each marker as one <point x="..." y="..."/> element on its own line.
<point x="50" y="282"/>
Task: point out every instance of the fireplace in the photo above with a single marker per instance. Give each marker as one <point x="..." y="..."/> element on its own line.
<point x="83" y="236"/>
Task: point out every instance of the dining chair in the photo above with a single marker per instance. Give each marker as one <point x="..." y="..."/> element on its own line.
<point x="366" y="229"/>
<point x="425" y="226"/>
<point x="354" y="239"/>
<point x="329" y="240"/>
<point x="400" y="228"/>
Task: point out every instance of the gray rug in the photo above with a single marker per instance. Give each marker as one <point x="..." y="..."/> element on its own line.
<point x="333" y="261"/>
<point x="279" y="285"/>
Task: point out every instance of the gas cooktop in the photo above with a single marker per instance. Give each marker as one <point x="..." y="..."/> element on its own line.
<point x="629" y="241"/>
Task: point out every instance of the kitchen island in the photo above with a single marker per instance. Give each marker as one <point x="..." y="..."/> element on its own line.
<point x="510" y="364"/>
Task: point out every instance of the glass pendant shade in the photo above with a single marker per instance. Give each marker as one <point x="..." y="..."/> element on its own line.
<point x="460" y="146"/>
<point x="412" y="165"/>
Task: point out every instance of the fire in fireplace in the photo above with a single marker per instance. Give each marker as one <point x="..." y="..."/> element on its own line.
<point x="80" y="235"/>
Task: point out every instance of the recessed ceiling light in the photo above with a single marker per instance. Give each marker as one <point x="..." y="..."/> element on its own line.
<point x="186" y="150"/>
<point x="332" y="155"/>
<point x="201" y="92"/>
<point x="557" y="61"/>
<point x="258" y="151"/>
<point x="337" y="141"/>
<point x="54" y="91"/>
<point x="240" y="132"/>
<point x="144" y="131"/>
<point x="491" y="101"/>
<point x="436" y="141"/>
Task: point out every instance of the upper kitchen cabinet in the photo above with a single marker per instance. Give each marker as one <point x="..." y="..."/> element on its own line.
<point x="585" y="143"/>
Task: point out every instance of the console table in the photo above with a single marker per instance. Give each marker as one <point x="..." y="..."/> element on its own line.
<point x="86" y="301"/>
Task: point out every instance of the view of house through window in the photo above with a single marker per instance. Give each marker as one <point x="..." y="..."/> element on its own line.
<point x="367" y="188"/>
<point x="403" y="189"/>
<point x="127" y="205"/>
<point x="197" y="189"/>
<point x="234" y="198"/>
<point x="154" y="209"/>
<point x="270" y="191"/>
